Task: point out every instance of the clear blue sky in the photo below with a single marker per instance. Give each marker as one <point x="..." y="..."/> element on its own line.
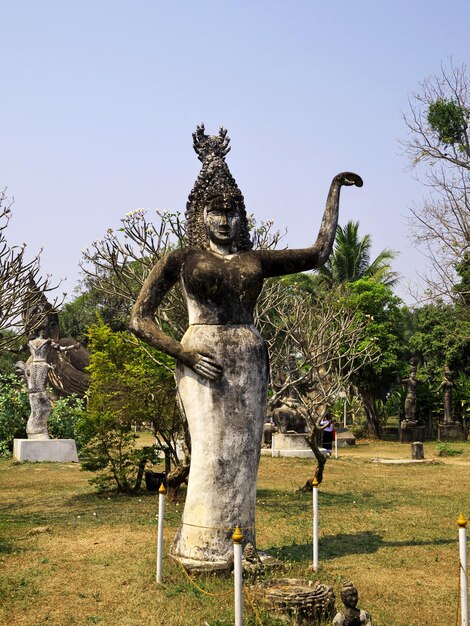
<point x="100" y="97"/>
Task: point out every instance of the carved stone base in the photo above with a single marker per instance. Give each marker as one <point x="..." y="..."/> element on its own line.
<point x="301" y="601"/>
<point x="410" y="432"/>
<point x="417" y="451"/>
<point x="452" y="432"/>
<point x="43" y="451"/>
<point x="345" y="437"/>
<point x="291" y="444"/>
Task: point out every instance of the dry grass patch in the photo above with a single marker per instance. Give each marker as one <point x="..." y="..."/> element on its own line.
<point x="391" y="529"/>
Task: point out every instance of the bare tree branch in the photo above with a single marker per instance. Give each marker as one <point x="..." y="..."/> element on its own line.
<point x="21" y="286"/>
<point x="438" y="150"/>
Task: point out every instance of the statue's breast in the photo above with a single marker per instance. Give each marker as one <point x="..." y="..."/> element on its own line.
<point x="224" y="284"/>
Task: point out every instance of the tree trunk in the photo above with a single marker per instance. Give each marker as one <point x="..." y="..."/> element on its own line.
<point x="373" y="419"/>
<point x="311" y="439"/>
<point x="139" y="477"/>
<point x="175" y="479"/>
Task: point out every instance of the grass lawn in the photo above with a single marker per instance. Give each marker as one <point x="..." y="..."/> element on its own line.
<point x="69" y="557"/>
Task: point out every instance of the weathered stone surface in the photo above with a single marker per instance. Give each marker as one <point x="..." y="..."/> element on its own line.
<point x="447" y="385"/>
<point x="345" y="437"/>
<point x="452" y="432"/>
<point x="268" y="430"/>
<point x="66" y="357"/>
<point x="51" y="450"/>
<point x="351" y="615"/>
<point x="292" y="444"/>
<point x="410" y="431"/>
<point x="417" y="450"/>
<point x="222" y="361"/>
<point x="226" y="420"/>
<point x="300" y="601"/>
<point x="289" y="418"/>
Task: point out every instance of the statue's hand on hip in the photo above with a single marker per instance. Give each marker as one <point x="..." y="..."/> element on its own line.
<point x="204" y="365"/>
<point x="348" y="179"/>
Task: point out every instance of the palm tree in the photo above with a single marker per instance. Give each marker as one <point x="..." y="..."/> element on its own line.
<point x="350" y="260"/>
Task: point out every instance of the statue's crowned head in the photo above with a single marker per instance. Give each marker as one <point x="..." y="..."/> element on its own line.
<point x="349" y="595"/>
<point x="214" y="187"/>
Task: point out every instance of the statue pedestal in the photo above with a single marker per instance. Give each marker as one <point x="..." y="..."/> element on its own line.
<point x="453" y="431"/>
<point x="345" y="437"/>
<point x="45" y="450"/>
<point x="410" y="432"/>
<point x="292" y="444"/>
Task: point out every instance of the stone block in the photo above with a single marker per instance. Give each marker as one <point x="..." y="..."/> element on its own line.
<point x="409" y="432"/>
<point x="417" y="450"/>
<point x="452" y="432"/>
<point x="345" y="437"/>
<point x="43" y="451"/>
<point x="293" y="445"/>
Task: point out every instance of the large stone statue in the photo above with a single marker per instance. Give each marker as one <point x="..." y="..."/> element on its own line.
<point x="351" y="616"/>
<point x="222" y="361"/>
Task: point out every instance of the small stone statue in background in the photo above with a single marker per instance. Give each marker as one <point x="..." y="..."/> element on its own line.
<point x="36" y="372"/>
<point x="447" y="386"/>
<point x="410" y="399"/>
<point x="352" y="616"/>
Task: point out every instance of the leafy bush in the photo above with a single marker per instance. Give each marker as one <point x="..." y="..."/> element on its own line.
<point x="65" y="414"/>
<point x="126" y="388"/>
<point x="444" y="449"/>
<point x="14" y="411"/>
<point x="111" y="451"/>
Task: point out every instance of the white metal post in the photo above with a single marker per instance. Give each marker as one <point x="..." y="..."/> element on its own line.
<point x="336" y="445"/>
<point x="462" y="524"/>
<point x="161" y="512"/>
<point x="315" y="523"/>
<point x="238" y="575"/>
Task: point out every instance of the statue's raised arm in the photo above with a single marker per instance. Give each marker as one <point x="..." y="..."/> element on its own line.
<point x="279" y="262"/>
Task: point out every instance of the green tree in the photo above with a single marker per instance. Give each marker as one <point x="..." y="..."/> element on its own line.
<point x="438" y="148"/>
<point x="14" y="411"/>
<point x="350" y="260"/>
<point x="387" y="329"/>
<point x="130" y="385"/>
<point x="441" y="336"/>
<point x="66" y="413"/>
<point x="449" y="120"/>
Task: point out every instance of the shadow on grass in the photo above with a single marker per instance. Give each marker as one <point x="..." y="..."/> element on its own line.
<point x="290" y="503"/>
<point x="343" y="544"/>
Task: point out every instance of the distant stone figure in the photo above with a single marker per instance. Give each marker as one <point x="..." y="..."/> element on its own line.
<point x="289" y="416"/>
<point x="351" y="616"/>
<point x="269" y="429"/>
<point x="410" y="399"/>
<point x="69" y="358"/>
<point x="447" y="385"/>
<point x="222" y="361"/>
<point x="36" y="372"/>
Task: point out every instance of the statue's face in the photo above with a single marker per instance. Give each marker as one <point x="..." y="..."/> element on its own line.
<point x="349" y="598"/>
<point x="222" y="220"/>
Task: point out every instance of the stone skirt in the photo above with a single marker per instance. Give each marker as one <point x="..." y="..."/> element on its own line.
<point x="225" y="421"/>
